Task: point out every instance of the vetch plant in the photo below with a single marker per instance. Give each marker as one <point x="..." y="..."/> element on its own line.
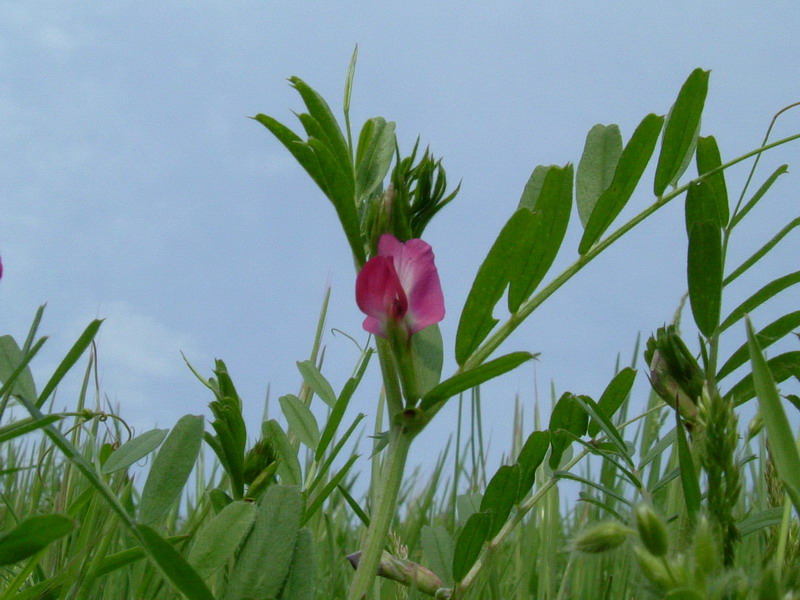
<point x="686" y="503"/>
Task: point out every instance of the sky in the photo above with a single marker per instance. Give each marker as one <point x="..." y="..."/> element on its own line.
<point x="134" y="187"/>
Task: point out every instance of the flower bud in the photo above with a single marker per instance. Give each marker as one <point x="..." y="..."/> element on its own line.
<point x="652" y="530"/>
<point x="258" y="458"/>
<point x="674" y="372"/>
<point x="601" y="538"/>
<point x="706" y="556"/>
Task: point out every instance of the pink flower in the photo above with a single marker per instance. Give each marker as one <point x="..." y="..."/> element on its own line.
<point x="400" y="285"/>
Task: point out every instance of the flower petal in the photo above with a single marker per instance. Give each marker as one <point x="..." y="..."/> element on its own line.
<point x="380" y="295"/>
<point x="416" y="270"/>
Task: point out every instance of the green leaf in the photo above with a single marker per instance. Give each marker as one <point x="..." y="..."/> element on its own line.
<point x="766" y="337"/>
<point x="551" y="211"/>
<point x="376" y="146"/>
<point x="301" y="420"/>
<point x="500" y="497"/>
<point x="264" y="560"/>
<point x="760" y="520"/>
<point x="596" y="168"/>
<point x="782" y="367"/>
<point x="134" y="450"/>
<point x="173" y="566"/>
<point x="530" y="457"/>
<point x="217" y="542"/>
<point x="318" y="108"/>
<point x="438" y="548"/>
<point x="339" y="408"/>
<point x="762" y="252"/>
<point x="689" y="481"/>
<point x="601" y="420"/>
<point x="317" y="382"/>
<point x="779" y="433"/>
<point x="568" y="415"/>
<point x="10" y="357"/>
<point x="631" y="165"/>
<point x="533" y="187"/>
<point x="301" y="583"/>
<point x="761" y="296"/>
<point x="32" y="535"/>
<point x="315" y="504"/>
<point x="428" y="353"/>
<point x="613" y="396"/>
<point x="708" y="159"/>
<point x="469" y="379"/>
<point x="681" y="130"/>
<point x="467" y="505"/>
<point x="171" y="468"/>
<point x="289" y="467"/>
<point x="704" y="270"/>
<point x="25" y="425"/>
<point x="493" y="276"/>
<point x="469" y="544"/>
<point x="69" y="360"/>
<point x="759" y="194"/>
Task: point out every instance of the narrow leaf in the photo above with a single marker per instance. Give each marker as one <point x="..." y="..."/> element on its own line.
<point x="171" y="468"/>
<point x="530" y="457"/>
<point x="704" y="271"/>
<point x="500" y="497"/>
<point x="376" y="146"/>
<point x="761" y="296"/>
<point x="469" y="544"/>
<point x="438" y="548"/>
<point x="762" y="252"/>
<point x="10" y="357"/>
<point x="493" y="276"/>
<point x="317" y="382"/>
<point x="759" y="194"/>
<point x="32" y="535"/>
<point x="300" y="419"/>
<point x="173" y="566"/>
<point x="26" y="425"/>
<point x="289" y="466"/>
<point x="613" y="396"/>
<point x="551" y="212"/>
<point x="567" y="416"/>
<point x="766" y="337"/>
<point x="469" y="379"/>
<point x="782" y="367"/>
<point x="134" y="450"/>
<point x="596" y="168"/>
<point x="631" y="165"/>
<point x="779" y="432"/>
<point x="69" y="360"/>
<point x="680" y="132"/>
<point x="428" y="357"/>
<point x="708" y="159"/>
<point x="691" y="486"/>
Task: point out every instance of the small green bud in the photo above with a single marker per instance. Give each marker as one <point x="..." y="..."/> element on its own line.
<point x="652" y="530"/>
<point x="602" y="538"/>
<point x="653" y="568"/>
<point x="258" y="458"/>
<point x="405" y="572"/>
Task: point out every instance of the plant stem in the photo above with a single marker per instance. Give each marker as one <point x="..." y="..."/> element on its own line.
<point x="385" y="506"/>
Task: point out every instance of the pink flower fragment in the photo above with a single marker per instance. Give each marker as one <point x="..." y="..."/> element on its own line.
<point x="402" y="285"/>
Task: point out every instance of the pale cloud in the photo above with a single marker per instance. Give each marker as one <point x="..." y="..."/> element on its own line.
<point x="141" y="345"/>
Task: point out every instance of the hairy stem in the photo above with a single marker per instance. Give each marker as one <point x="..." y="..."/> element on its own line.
<point x="385" y="506"/>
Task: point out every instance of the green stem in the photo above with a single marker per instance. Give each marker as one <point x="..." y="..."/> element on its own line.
<point x="385" y="506"/>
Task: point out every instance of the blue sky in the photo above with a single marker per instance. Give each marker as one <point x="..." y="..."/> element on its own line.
<point x="134" y="187"/>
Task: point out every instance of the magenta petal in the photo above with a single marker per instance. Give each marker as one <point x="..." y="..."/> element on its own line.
<point x="414" y="263"/>
<point x="379" y="294"/>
